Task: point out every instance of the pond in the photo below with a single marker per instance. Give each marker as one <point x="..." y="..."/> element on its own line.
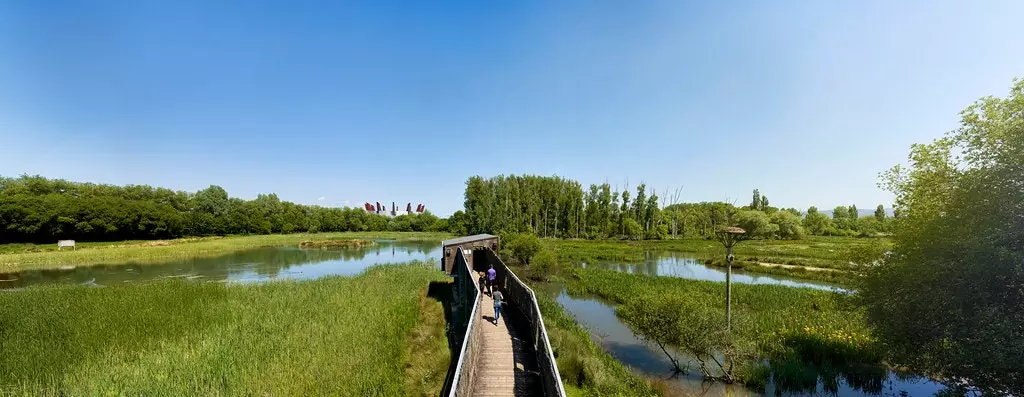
<point x="618" y="339"/>
<point x="683" y="266"/>
<point x="259" y="264"/>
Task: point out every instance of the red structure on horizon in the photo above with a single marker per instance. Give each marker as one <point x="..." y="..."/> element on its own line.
<point x="382" y="208"/>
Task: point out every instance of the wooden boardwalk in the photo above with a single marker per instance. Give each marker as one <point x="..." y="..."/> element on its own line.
<point x="506" y="366"/>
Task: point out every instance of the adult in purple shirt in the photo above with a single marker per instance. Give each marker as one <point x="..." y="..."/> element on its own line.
<point x="491" y="276"/>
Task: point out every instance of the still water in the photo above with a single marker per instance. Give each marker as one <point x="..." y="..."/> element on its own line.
<point x="272" y="263"/>
<point x="682" y="266"/>
<point x="615" y="337"/>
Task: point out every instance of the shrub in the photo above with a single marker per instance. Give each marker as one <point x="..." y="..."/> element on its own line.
<point x="522" y="246"/>
<point x="544" y="263"/>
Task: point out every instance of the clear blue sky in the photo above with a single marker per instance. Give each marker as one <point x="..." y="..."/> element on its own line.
<point x="402" y="101"/>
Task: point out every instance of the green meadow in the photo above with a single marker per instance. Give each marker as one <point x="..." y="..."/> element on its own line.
<point x="379" y="333"/>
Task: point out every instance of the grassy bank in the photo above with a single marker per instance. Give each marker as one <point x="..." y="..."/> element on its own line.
<point x="16" y="257"/>
<point x="798" y="258"/>
<point x="587" y="370"/>
<point x="333" y="336"/>
<point x="805" y="334"/>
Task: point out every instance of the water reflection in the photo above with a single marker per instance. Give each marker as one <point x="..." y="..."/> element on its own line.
<point x="615" y="337"/>
<point x="270" y="263"/>
<point x="680" y="265"/>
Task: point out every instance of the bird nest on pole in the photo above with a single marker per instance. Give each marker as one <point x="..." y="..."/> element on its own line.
<point x="731" y="230"/>
<point x="730" y="235"/>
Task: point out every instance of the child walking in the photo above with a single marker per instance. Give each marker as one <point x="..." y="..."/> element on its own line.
<point x="497" y="304"/>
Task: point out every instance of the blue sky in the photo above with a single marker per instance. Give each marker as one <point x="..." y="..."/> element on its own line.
<point x="402" y="101"/>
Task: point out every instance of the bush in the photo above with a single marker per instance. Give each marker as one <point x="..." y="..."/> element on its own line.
<point x="544" y="263"/>
<point x="522" y="246"/>
<point x="632" y="229"/>
<point x="787" y="226"/>
<point x="657" y="233"/>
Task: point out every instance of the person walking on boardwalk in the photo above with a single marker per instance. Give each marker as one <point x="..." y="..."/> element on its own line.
<point x="492" y="276"/>
<point x="482" y="282"/>
<point x="496" y="295"/>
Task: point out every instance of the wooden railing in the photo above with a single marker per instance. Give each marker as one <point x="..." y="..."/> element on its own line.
<point x="519" y="296"/>
<point x="524" y="299"/>
<point x="462" y="382"/>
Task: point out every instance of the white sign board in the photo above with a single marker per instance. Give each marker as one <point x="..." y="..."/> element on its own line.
<point x="65" y="243"/>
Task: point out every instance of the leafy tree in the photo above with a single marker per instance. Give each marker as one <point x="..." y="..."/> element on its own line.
<point x="854" y="213"/>
<point x="544" y="263"/>
<point x="949" y="299"/>
<point x="841" y="217"/>
<point x="755" y="223"/>
<point x="764" y="203"/>
<point x="632" y="229"/>
<point x="624" y="212"/>
<point x="457" y="224"/>
<point x="880" y="213"/>
<point x="816" y="223"/>
<point x="756" y="202"/>
<point x="638" y="204"/>
<point x="686" y="325"/>
<point x="523" y="246"/>
<point x="787" y="225"/>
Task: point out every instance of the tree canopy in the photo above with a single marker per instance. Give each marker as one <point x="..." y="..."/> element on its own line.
<point x="949" y="299"/>
<point x="37" y="209"/>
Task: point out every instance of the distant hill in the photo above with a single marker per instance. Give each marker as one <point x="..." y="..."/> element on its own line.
<point x="860" y="211"/>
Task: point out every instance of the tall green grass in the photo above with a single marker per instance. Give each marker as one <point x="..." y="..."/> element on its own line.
<point x="18" y="257"/>
<point x="333" y="336"/>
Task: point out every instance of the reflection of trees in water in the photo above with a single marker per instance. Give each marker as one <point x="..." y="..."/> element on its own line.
<point x="804" y="377"/>
<point x="266" y="262"/>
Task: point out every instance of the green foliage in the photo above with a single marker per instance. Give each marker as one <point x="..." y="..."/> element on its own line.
<point x="685" y="324"/>
<point x="788" y="226"/>
<point x="192" y="338"/>
<point x="699" y="219"/>
<point x="817" y="223"/>
<point x="523" y="246"/>
<point x="755" y="223"/>
<point x="36" y="209"/>
<point x="948" y="300"/>
<point x="880" y="213"/>
<point x="457" y="224"/>
<point x="557" y="207"/>
<point x="544" y="264"/>
<point x="657" y="233"/>
<point x="632" y="229"/>
<point x="547" y="206"/>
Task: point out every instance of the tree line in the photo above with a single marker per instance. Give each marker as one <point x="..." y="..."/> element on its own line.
<point x="37" y="209"/>
<point x="558" y="207"/>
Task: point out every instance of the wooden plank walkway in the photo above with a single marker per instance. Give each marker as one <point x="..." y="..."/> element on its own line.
<point x="506" y="366"/>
